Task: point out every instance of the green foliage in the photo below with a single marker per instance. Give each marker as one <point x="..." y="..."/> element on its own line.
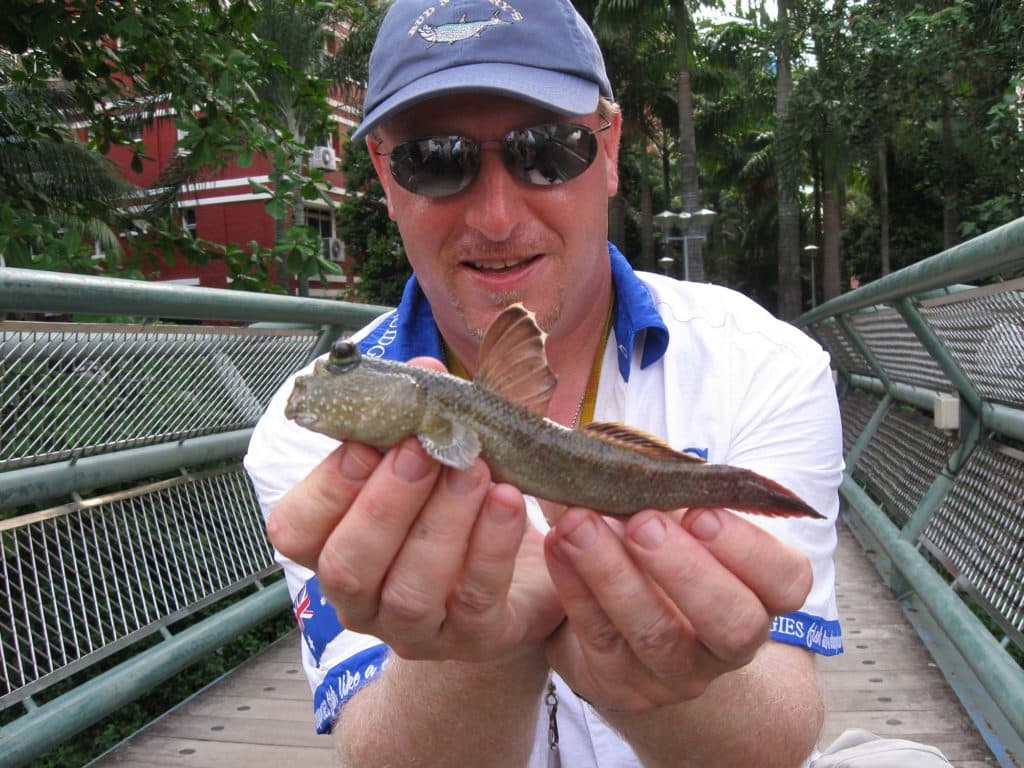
<point x="242" y="79"/>
<point x="370" y="236"/>
<point x="384" y="269"/>
<point x="898" y="74"/>
<point x="865" y="73"/>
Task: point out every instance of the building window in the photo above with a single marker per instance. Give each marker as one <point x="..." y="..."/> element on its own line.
<point x="180" y="151"/>
<point x="188" y="221"/>
<point x="322" y="222"/>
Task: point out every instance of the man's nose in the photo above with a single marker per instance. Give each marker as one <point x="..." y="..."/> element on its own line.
<point x="495" y="199"/>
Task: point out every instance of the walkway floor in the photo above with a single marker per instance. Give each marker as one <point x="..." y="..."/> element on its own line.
<point x="259" y="716"/>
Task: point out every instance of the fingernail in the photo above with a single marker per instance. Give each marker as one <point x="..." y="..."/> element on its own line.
<point x="703" y="524"/>
<point x="352" y="466"/>
<point x="411" y="463"/>
<point x="499" y="512"/>
<point x="581" y="532"/>
<point x="461" y="483"/>
<point x="651" y="534"/>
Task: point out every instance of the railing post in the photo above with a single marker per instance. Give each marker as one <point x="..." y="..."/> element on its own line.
<point x="865" y="351"/>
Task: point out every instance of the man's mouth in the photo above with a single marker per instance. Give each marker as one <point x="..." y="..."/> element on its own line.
<point x="500" y="267"/>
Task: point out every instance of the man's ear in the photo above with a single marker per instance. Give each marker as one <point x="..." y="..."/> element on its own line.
<point x="610" y="146"/>
<point x="382" y="166"/>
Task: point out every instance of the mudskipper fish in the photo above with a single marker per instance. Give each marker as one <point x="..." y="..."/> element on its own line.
<point x="500" y="416"/>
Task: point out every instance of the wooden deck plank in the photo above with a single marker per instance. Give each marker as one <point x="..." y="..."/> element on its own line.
<point x="885" y="681"/>
<point x="261" y="714"/>
<point x="158" y="752"/>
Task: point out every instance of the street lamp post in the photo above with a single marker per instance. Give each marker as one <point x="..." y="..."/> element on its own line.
<point x="668" y="221"/>
<point x="812" y="254"/>
<point x="693" y="226"/>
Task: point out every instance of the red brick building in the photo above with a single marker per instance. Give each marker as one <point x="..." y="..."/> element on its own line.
<point x="224" y="208"/>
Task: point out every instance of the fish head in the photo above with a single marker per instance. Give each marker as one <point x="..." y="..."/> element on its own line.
<point x="349" y="398"/>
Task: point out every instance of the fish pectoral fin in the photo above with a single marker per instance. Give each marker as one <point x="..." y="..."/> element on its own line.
<point x="512" y="361"/>
<point x="638" y="440"/>
<point x="449" y="441"/>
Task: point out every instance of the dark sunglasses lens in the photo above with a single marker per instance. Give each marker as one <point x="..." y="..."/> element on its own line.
<point x="436" y="167"/>
<point x="550" y="154"/>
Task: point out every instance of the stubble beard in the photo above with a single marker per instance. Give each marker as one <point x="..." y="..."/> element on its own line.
<point x="547" y="319"/>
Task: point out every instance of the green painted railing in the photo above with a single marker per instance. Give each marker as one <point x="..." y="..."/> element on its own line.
<point x="123" y="505"/>
<point x="930" y="368"/>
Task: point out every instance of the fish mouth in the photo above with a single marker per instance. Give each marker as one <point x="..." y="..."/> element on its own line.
<point x="306" y="420"/>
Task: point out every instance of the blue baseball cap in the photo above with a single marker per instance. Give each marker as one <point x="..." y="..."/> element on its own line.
<point x="539" y="51"/>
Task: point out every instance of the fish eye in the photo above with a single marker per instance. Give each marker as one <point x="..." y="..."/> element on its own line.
<point x="344" y="356"/>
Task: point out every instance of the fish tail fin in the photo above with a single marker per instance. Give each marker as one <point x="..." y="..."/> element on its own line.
<point x="773" y="499"/>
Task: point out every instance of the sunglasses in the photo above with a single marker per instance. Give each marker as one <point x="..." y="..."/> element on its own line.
<point x="543" y="155"/>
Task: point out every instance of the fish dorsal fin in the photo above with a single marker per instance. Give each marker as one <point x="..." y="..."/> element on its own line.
<point x="638" y="440"/>
<point x="512" y="361"/>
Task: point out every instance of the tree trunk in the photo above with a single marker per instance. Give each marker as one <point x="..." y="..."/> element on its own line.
<point x="689" y="182"/>
<point x="815" y="237"/>
<point x="883" y="205"/>
<point x="299" y="220"/>
<point x="832" y="222"/>
<point x="281" y="276"/>
<point x="950" y="187"/>
<point x="831" y="212"/>
<point x="790" y="298"/>
<point x="647" y="260"/>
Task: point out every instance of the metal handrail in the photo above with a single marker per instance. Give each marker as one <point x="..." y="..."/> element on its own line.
<point x="996" y="260"/>
<point x="998" y="251"/>
<point x="44" y="360"/>
<point x="29" y="290"/>
<point x="52" y="723"/>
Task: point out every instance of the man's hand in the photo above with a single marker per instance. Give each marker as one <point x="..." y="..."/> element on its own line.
<point x="661" y="608"/>
<point x="435" y="562"/>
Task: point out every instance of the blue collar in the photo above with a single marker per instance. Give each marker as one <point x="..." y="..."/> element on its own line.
<point x="410" y="330"/>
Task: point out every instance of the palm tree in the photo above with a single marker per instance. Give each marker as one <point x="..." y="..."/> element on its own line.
<point x="675" y="17"/>
<point x="56" y="194"/>
<point x="790" y="298"/>
<point x="298" y="33"/>
<point x="640" y="64"/>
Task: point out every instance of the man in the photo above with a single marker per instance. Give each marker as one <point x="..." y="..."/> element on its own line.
<point x="485" y="629"/>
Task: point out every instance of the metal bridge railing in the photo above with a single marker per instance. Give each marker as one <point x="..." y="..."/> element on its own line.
<point x="74" y="389"/>
<point x="930" y="367"/>
<point x="123" y="504"/>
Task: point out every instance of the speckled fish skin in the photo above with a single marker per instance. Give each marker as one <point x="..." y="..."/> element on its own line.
<point x="382" y="402"/>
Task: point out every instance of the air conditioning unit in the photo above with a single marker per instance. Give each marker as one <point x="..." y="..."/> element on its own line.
<point x="333" y="249"/>
<point x="323" y="157"/>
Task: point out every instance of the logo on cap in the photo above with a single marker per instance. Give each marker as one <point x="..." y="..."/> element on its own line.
<point x="464" y="28"/>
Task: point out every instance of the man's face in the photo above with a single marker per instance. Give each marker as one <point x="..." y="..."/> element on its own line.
<point x="502" y="240"/>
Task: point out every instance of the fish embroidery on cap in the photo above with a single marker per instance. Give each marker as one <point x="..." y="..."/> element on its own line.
<point x="463" y="29"/>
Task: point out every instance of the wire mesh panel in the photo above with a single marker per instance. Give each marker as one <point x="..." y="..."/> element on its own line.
<point x="983" y="330"/>
<point x="76" y="389"/>
<point x="834" y="338"/>
<point x="979" y="532"/>
<point x="86" y="578"/>
<point x="901" y="460"/>
<point x="898" y="350"/>
<point x="856" y="409"/>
